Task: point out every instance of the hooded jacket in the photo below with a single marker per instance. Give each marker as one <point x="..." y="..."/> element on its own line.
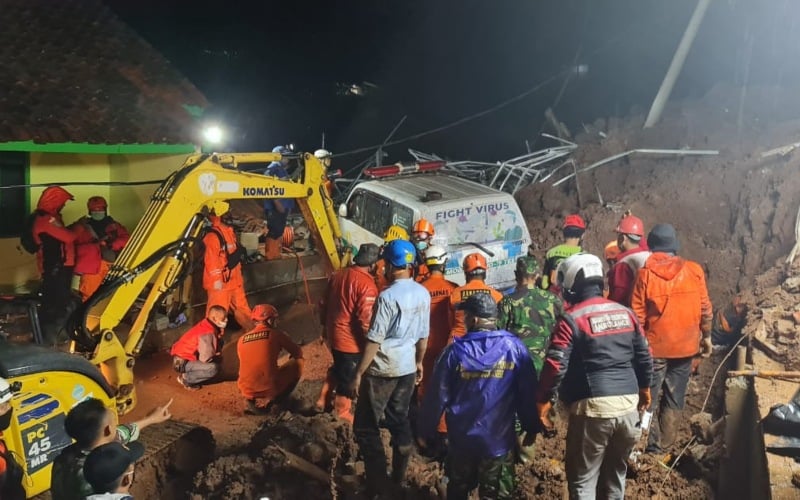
<point x="670" y="299"/>
<point x="56" y="242"/>
<point x="482" y="382"/>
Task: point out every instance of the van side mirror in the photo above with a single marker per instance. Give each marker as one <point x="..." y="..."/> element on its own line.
<point x="343" y="210"/>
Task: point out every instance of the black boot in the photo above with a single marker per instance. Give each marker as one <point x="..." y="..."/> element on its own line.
<point x="401" y="455"/>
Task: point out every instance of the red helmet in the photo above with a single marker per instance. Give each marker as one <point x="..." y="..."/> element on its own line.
<point x="473" y="262"/>
<point x="574" y="220"/>
<point x="97" y="204"/>
<point x="263" y="312"/>
<point x="631" y="225"/>
<point x="423" y="226"/>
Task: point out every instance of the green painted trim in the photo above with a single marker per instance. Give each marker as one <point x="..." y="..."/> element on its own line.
<point x="85" y="147"/>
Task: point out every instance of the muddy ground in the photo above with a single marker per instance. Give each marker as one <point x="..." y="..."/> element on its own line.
<point x="734" y="213"/>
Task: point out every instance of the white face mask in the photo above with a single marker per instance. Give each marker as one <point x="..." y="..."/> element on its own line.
<point x="220" y="323"/>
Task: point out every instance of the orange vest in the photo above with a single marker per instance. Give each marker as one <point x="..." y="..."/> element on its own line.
<point x="186" y="346"/>
<point x="460" y="294"/>
<point x="258" y="352"/>
<point x="441" y="314"/>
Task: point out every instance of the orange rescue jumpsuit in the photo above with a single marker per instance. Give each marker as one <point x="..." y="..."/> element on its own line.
<point x="460" y="294"/>
<point x="440" y="326"/>
<point x="259" y="373"/>
<point x="224" y="286"/>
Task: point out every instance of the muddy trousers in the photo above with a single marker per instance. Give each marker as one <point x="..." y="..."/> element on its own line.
<point x="494" y="477"/>
<point x="596" y="454"/>
<point x="384" y="399"/>
<point x="668" y="389"/>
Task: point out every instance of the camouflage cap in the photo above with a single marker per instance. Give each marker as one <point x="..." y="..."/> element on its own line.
<point x="528" y="265"/>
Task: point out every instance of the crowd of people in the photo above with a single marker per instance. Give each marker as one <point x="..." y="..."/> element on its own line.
<point x="611" y="341"/>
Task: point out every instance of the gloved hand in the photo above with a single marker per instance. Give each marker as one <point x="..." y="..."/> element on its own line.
<point x="644" y="399"/>
<point x="706" y="347"/>
<point x="543" y="409"/>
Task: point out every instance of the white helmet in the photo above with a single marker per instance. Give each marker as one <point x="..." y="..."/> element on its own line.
<point x="321" y="154"/>
<point x="435" y="255"/>
<point x="5" y="391"/>
<point x="577" y="271"/>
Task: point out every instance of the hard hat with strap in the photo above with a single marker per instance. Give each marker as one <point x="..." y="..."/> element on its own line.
<point x="474" y="262"/>
<point x="395" y="232"/>
<point x="435" y="255"/>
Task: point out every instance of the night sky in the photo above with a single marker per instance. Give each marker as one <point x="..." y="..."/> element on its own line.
<point x="276" y="72"/>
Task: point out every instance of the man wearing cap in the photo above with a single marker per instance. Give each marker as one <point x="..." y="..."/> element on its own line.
<point x="671" y="301"/>
<point x="109" y="470"/>
<point x="346" y="313"/>
<point x="11" y="472"/>
<point x="260" y="376"/>
<point x="482" y="382"/>
<point x="390" y="368"/>
<point x="633" y="254"/>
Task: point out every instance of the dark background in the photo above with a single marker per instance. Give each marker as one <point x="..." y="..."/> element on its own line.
<point x="276" y="72"/>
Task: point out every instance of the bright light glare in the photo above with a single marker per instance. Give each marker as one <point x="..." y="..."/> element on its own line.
<point x="213" y="134"/>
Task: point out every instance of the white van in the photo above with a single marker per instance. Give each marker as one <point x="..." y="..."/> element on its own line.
<point x="467" y="216"/>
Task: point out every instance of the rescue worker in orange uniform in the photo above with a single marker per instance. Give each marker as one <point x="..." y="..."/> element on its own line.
<point x="630" y="236"/>
<point x="99" y="239"/>
<point x="670" y="300"/>
<point x="346" y="314"/>
<point x="610" y="254"/>
<point x="441" y="321"/>
<point x="195" y="356"/>
<point x="260" y="377"/>
<point x="573" y="228"/>
<point x="421" y="235"/>
<point x="56" y="259"/>
<point x="222" y="272"/>
<point x="394" y="232"/>
<point x="474" y="267"/>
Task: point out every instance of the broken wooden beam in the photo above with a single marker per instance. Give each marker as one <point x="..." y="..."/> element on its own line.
<point x="300" y="464"/>
<point x="764" y="373"/>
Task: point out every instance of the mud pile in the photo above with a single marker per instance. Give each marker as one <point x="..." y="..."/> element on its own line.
<point x="734" y="212"/>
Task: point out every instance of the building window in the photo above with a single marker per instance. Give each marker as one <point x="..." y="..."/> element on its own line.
<point x="13" y="201"/>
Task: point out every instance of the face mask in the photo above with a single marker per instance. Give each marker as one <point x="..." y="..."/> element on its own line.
<point x="421" y="245"/>
<point x="97" y="215"/>
<point x="221" y="324"/>
<point x="5" y="420"/>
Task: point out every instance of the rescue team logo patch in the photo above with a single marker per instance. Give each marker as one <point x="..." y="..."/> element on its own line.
<point x="611" y="322"/>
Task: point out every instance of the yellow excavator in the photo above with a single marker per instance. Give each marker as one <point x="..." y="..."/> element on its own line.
<point x="47" y="383"/>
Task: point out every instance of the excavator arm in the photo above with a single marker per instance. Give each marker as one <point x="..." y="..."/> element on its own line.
<point x="159" y="249"/>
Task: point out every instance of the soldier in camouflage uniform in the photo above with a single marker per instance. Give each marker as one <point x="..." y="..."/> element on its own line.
<point x="529" y="312"/>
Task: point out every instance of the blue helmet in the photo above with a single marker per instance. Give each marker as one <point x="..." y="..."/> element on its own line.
<point x="399" y="253"/>
<point x="280" y="149"/>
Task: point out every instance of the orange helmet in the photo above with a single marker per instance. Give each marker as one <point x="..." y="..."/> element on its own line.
<point x="423" y="226"/>
<point x="612" y="251"/>
<point x="263" y="312"/>
<point x="574" y="220"/>
<point x="97" y="204"/>
<point x="630" y="224"/>
<point x="474" y="262"/>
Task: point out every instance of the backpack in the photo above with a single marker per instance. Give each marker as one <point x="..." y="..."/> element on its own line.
<point x="26" y="239"/>
<point x="236" y="257"/>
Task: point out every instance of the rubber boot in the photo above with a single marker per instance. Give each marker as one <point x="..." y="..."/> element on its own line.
<point x="325" y="401"/>
<point x="342" y="407"/>
<point x="272" y="249"/>
<point x="525" y="454"/>
<point x="376" y="478"/>
<point x="401" y="455"/>
<point x="668" y="422"/>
